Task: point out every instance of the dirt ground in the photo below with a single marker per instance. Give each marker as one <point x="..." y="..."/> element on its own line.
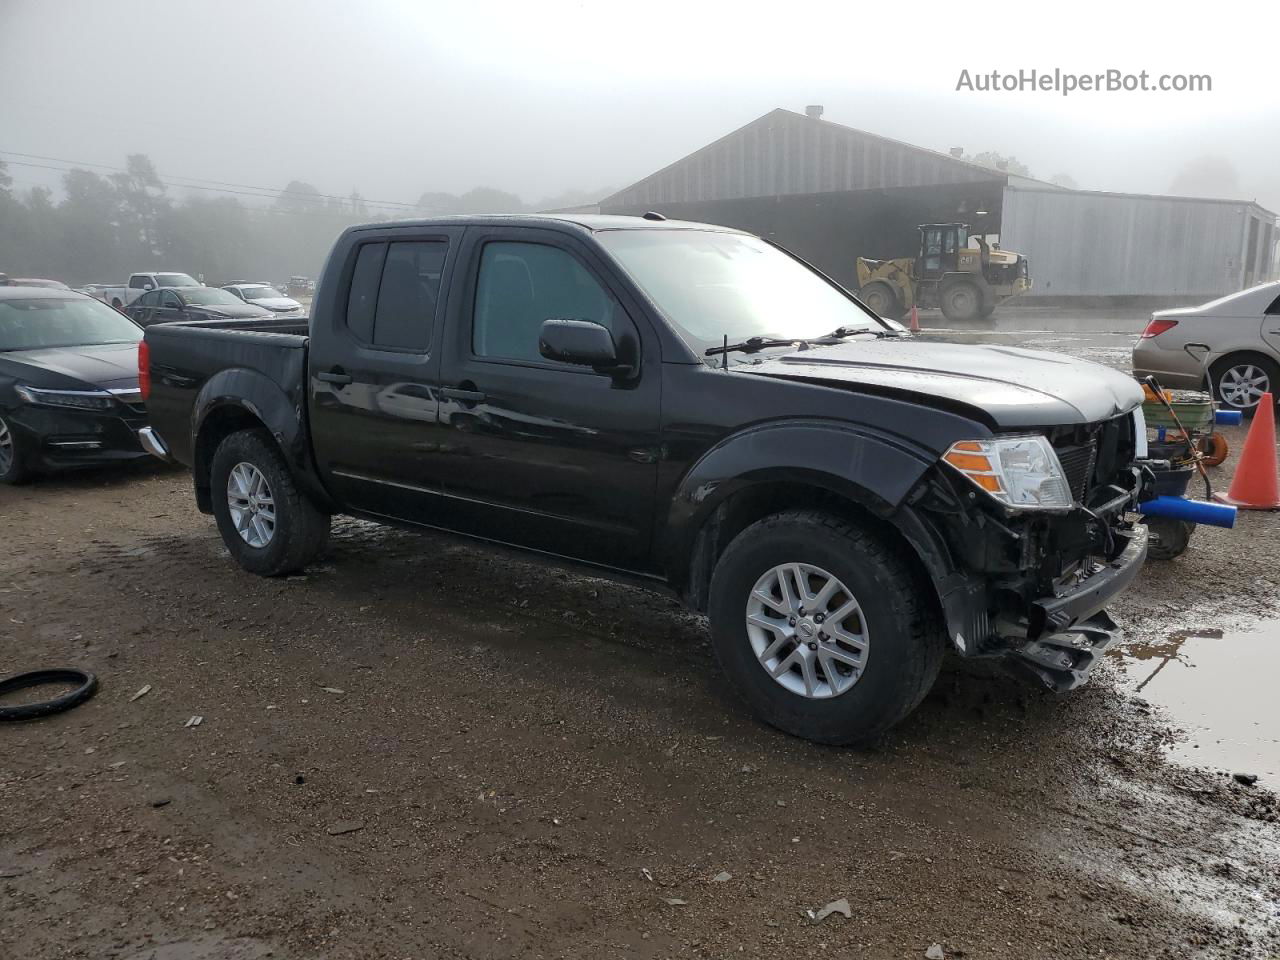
<point x="425" y="750"/>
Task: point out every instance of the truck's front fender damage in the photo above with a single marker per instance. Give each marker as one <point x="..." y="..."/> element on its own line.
<point x="1030" y="587"/>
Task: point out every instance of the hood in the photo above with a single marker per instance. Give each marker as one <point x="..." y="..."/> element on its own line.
<point x="1008" y="387"/>
<point x="280" y="304"/>
<point x="111" y="366"/>
<point x="229" y="310"/>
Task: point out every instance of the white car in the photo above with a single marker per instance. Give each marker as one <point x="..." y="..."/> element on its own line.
<point x="1235" y="339"/>
<point x="265" y="295"/>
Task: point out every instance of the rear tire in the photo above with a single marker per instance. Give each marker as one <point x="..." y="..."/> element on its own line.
<point x="275" y="528"/>
<point x="961" y="301"/>
<point x="1240" y="380"/>
<point x="903" y="641"/>
<point x="13" y="456"/>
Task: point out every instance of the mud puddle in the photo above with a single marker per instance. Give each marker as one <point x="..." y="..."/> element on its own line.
<point x="1219" y="687"/>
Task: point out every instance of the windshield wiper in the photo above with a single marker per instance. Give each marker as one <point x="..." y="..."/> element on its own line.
<point x="840" y="333"/>
<point x="755" y="344"/>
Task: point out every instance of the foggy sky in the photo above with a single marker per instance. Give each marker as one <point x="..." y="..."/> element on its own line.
<point x="395" y="97"/>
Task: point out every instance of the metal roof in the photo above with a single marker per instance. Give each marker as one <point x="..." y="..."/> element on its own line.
<point x="784" y="153"/>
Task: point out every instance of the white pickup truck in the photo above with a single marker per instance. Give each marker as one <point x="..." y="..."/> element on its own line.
<point x="140" y="283"/>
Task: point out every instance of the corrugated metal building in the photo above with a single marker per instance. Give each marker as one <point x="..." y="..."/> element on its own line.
<point x="1086" y="244"/>
<point x="832" y="193"/>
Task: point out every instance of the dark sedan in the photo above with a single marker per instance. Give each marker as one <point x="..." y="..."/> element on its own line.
<point x="68" y="383"/>
<point x="166" y="304"/>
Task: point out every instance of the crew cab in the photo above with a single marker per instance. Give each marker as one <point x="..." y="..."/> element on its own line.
<point x="690" y="407"/>
<point x="140" y="283"/>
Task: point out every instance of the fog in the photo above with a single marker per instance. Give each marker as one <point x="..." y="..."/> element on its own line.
<point x="558" y="102"/>
<point x="397" y="98"/>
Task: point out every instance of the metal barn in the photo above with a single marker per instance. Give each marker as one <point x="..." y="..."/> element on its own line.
<point x="832" y="193"/>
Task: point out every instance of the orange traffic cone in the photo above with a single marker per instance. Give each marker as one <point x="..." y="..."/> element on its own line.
<point x="1256" y="485"/>
<point x="915" y="319"/>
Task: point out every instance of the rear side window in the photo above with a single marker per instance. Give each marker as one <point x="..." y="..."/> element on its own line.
<point x="363" y="299"/>
<point x="1274" y="309"/>
<point x="394" y="291"/>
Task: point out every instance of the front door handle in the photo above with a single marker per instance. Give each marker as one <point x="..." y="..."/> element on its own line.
<point x="457" y="393"/>
<point x="335" y="376"/>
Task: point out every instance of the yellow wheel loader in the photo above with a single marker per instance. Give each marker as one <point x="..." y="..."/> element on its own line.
<point x="965" y="281"/>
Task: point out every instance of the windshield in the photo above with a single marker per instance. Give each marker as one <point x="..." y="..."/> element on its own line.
<point x="260" y="293"/>
<point x="47" y="322"/>
<point x="711" y="285"/>
<point x="209" y="297"/>
<point x="175" y="280"/>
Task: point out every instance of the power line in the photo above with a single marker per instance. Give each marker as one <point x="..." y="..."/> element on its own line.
<point x="274" y="211"/>
<point x="268" y="192"/>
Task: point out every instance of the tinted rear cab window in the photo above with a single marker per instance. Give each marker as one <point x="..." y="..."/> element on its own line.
<point x="395" y="287"/>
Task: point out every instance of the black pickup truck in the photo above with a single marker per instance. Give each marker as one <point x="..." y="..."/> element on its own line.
<point x="691" y="407"/>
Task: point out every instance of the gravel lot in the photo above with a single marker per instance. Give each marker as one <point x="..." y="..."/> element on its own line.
<point x="422" y="750"/>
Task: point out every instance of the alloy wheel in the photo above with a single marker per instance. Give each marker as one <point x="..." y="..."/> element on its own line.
<point x="1243" y="385"/>
<point x="807" y="630"/>
<point x="253" y="510"/>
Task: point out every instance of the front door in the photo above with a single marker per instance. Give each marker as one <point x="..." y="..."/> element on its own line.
<point x="373" y="374"/>
<point x="535" y="452"/>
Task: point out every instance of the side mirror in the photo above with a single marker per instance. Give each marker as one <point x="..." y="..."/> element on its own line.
<point x="148" y="286"/>
<point x="582" y="342"/>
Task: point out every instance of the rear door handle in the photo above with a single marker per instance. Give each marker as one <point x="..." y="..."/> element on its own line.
<point x="334" y="376"/>
<point x="457" y="393"/>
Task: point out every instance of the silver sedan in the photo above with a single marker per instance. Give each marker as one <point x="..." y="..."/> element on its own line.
<point x="1233" y="344"/>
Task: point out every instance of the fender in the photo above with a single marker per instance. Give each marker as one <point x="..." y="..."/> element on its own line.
<point x="283" y="413"/>
<point x="870" y="467"/>
<point x="873" y="469"/>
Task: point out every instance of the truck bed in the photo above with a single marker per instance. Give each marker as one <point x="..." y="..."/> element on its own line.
<point x="196" y="364"/>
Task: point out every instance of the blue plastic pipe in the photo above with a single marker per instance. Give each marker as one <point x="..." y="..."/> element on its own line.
<point x="1228" y="418"/>
<point x="1195" y="511"/>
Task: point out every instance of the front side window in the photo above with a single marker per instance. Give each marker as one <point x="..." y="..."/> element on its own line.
<point x="138" y="282"/>
<point x="519" y="286"/>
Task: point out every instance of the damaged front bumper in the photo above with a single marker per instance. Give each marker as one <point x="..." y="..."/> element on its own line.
<point x="1067" y="634"/>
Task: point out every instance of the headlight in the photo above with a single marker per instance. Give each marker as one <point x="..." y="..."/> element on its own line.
<point x="1023" y="473"/>
<point x="74" y="399"/>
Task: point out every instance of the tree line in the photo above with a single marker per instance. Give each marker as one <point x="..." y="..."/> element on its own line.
<point x="106" y="226"/>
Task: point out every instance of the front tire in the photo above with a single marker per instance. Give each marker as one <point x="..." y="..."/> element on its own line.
<point x="14" y="469"/>
<point x="822" y="627"/>
<point x="882" y="300"/>
<point x="269" y="526"/>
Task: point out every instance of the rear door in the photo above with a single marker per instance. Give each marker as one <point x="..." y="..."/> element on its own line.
<point x="1271" y="328"/>
<point x="538" y="453"/>
<point x="373" y="373"/>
